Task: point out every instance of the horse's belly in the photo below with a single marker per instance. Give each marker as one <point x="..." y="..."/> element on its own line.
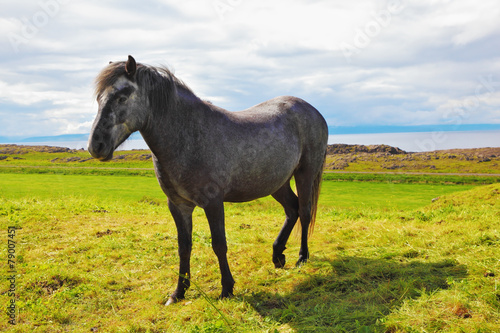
<point x="243" y="196"/>
<point x="255" y="186"/>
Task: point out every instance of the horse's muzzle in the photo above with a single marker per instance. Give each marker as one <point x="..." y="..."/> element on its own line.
<point x="100" y="150"/>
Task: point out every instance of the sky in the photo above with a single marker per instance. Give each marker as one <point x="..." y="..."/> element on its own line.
<point x="360" y="63"/>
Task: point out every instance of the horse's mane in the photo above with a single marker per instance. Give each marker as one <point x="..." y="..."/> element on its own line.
<point x="158" y="82"/>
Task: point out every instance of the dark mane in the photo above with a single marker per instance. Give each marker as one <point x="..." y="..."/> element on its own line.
<point x="159" y="83"/>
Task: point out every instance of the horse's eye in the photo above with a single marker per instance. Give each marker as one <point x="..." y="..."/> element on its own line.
<point x="122" y="99"/>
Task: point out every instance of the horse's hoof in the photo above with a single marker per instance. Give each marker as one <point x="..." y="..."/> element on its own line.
<point x="171" y="300"/>
<point x="301" y="262"/>
<point x="224" y="295"/>
<point x="280" y="261"/>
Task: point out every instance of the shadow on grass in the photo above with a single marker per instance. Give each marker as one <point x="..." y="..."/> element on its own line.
<point x="352" y="294"/>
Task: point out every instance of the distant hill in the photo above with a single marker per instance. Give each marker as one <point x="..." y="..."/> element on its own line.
<point x="336" y="149"/>
<point x="383" y="158"/>
<point x="346" y="149"/>
<point x="56" y="138"/>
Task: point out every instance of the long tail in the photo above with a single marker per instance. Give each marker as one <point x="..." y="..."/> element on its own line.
<point x="315" y="196"/>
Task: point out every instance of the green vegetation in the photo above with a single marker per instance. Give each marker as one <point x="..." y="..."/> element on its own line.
<point x="411" y="178"/>
<point x="64" y="161"/>
<point x="42" y="156"/>
<point x="41" y="186"/>
<point x="98" y="253"/>
<point x="362" y="166"/>
<point x="380" y="158"/>
<point x="132" y="189"/>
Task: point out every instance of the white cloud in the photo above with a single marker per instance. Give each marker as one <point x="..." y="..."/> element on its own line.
<point x="408" y="68"/>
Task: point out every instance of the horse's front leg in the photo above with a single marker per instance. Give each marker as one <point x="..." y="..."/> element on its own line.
<point x="182" y="214"/>
<point x="215" y="215"/>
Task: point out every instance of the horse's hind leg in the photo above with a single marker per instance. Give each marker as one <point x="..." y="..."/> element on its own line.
<point x="304" y="182"/>
<point x="290" y="203"/>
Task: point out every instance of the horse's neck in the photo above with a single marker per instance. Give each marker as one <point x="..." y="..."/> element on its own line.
<point x="174" y="129"/>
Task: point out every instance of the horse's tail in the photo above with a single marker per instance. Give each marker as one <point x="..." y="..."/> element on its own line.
<point x="315" y="196"/>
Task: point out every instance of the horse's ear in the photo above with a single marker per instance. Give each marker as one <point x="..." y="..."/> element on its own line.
<point x="130" y="66"/>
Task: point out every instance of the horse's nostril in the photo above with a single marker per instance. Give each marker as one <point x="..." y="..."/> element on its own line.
<point x="96" y="145"/>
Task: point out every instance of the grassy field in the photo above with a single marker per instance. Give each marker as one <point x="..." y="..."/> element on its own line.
<point x="38" y="160"/>
<point x="54" y="160"/>
<point x="99" y="254"/>
<point x="131" y="189"/>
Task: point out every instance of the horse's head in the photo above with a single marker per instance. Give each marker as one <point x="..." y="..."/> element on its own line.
<point x="121" y="109"/>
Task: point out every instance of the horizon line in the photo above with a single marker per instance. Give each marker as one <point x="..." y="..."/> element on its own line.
<point x="332" y="129"/>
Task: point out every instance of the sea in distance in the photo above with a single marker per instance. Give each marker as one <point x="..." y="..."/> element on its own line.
<point x="408" y="141"/>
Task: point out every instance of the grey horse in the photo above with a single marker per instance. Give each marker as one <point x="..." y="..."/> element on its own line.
<point x="204" y="155"/>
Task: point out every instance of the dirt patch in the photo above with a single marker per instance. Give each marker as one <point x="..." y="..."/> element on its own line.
<point x="100" y="234"/>
<point x="52" y="285"/>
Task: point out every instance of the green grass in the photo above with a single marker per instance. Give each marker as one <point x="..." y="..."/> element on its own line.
<point x="43" y="157"/>
<point x="382" y="196"/>
<point x="54" y="160"/>
<point x="100" y="253"/>
<point x="411" y="178"/>
<point x="123" y="188"/>
<point x="128" y="188"/>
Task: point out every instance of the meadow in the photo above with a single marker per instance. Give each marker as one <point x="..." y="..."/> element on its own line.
<point x="98" y="253"/>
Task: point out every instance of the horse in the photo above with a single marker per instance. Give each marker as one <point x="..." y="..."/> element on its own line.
<point x="204" y="155"/>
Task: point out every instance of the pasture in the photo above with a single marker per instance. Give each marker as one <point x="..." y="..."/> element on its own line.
<point x="99" y="254"/>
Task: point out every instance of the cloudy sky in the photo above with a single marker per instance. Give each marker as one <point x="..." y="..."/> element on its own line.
<point x="361" y="63"/>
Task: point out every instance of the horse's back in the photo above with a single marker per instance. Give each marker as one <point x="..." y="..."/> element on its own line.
<point x="298" y="120"/>
<point x="272" y="139"/>
<point x="285" y="113"/>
